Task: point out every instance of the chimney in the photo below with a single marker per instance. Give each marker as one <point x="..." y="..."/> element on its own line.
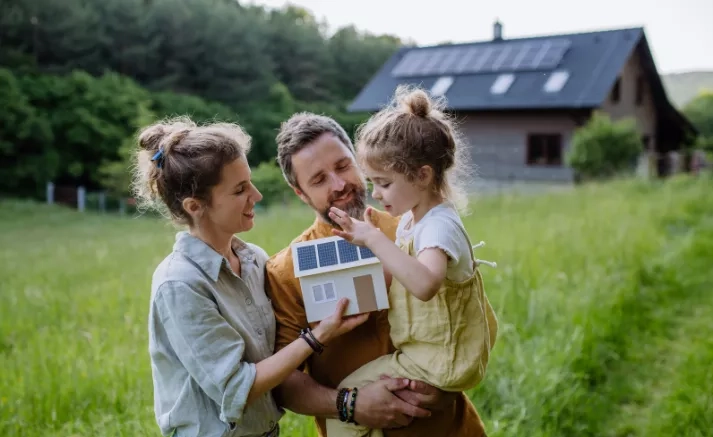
<point x="497" y="30"/>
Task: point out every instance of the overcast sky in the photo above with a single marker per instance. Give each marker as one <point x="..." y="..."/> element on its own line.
<point x="680" y="32"/>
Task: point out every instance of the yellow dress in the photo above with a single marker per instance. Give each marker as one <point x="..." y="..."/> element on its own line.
<point x="445" y="342"/>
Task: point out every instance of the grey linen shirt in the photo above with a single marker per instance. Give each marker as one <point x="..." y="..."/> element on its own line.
<point x="207" y="329"/>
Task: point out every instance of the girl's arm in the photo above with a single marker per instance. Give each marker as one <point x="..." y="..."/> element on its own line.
<point x="422" y="276"/>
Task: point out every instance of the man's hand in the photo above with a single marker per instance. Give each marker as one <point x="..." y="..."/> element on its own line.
<point x="422" y="395"/>
<point x="377" y="407"/>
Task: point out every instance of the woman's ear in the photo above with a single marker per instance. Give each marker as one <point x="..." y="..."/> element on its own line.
<point x="192" y="206"/>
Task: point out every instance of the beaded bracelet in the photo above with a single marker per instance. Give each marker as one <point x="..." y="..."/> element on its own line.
<point x="341" y="402"/>
<point x="346" y="400"/>
<point x="350" y="417"/>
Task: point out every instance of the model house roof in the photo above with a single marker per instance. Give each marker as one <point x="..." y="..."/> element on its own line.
<point x="556" y="71"/>
<point x="329" y="254"/>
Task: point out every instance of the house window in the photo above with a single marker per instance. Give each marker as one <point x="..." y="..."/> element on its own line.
<point x="441" y="85"/>
<point x="502" y="84"/>
<point x="544" y="149"/>
<point x="324" y="292"/>
<point x="556" y="81"/>
<point x="616" y="91"/>
<point x="639" y="90"/>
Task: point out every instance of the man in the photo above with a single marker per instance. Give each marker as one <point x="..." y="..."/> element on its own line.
<point x="317" y="160"/>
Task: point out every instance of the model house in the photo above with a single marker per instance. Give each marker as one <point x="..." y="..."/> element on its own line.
<point x="331" y="268"/>
<point x="520" y="100"/>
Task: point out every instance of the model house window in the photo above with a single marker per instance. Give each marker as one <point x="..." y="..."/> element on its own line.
<point x="616" y="91"/>
<point x="544" y="149"/>
<point x="324" y="292"/>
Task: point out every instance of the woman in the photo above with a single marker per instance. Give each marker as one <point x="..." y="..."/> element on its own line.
<point x="211" y="326"/>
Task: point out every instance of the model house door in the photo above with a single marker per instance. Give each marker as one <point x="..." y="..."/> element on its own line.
<point x="365" y="294"/>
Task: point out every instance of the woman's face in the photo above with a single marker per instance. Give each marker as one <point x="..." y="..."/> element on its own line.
<point x="233" y="200"/>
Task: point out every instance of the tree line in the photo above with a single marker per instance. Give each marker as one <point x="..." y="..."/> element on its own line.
<point x="79" y="77"/>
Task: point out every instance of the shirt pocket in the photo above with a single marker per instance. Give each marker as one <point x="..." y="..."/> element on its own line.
<point x="267" y="313"/>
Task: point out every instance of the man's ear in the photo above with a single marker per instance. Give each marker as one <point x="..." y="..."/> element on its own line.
<point x="300" y="194"/>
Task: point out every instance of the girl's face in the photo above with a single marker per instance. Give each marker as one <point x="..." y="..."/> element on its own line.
<point x="395" y="193"/>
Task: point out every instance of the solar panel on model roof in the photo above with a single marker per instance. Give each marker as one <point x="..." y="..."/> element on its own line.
<point x="330" y="253"/>
<point x="541" y="54"/>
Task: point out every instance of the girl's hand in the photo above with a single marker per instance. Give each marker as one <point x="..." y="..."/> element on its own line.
<point x="353" y="230"/>
<point x="336" y="325"/>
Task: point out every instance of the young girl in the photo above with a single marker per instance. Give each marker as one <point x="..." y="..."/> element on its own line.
<point x="442" y="324"/>
<point x="211" y="326"/>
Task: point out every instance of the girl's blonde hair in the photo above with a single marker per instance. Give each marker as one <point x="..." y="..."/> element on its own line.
<point x="412" y="131"/>
<point x="176" y="159"/>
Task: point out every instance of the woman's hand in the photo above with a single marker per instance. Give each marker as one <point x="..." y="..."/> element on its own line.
<point x="336" y="325"/>
<point x="353" y="230"/>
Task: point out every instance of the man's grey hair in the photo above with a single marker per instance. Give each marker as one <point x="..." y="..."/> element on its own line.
<point x="299" y="131"/>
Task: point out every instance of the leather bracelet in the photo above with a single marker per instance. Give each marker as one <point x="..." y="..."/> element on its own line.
<point x="306" y="335"/>
<point x="314" y="339"/>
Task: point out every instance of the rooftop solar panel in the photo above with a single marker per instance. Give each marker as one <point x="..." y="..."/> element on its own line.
<point x="306" y="258"/>
<point x="327" y="254"/>
<point x="347" y="252"/>
<point x="487" y="58"/>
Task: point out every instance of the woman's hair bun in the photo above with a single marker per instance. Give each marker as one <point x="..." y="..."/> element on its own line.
<point x="151" y="137"/>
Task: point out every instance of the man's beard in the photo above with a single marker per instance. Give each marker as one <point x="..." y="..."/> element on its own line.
<point x="355" y="208"/>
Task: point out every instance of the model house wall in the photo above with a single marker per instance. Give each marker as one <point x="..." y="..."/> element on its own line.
<point x="331" y="268"/>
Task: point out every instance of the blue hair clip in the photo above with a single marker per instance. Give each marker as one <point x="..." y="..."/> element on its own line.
<point x="158" y="157"/>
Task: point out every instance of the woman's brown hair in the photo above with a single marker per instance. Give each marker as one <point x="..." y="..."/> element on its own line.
<point x="177" y="159"/>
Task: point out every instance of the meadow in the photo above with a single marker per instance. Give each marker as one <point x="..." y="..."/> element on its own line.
<point x="603" y="295"/>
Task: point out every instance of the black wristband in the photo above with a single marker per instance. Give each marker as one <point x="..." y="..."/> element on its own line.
<point x="306" y="334"/>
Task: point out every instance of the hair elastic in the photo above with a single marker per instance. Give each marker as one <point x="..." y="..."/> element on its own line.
<point x="158" y="157"/>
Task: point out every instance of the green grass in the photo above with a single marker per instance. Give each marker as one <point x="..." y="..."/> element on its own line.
<point x="603" y="295"/>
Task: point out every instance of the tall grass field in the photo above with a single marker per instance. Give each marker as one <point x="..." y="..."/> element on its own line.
<point x="603" y="293"/>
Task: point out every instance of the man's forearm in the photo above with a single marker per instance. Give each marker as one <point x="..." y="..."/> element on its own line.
<point x="301" y="394"/>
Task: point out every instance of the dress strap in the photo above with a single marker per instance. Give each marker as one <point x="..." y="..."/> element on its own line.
<point x="476" y="262"/>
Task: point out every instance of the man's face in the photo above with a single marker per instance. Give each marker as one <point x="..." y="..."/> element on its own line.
<point x="327" y="176"/>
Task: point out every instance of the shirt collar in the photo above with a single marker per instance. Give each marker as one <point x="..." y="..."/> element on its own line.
<point x="207" y="258"/>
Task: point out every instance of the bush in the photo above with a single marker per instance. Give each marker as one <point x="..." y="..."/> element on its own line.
<point x="603" y="148"/>
<point x="700" y="112"/>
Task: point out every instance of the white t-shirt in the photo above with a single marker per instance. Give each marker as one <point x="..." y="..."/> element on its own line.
<point x="441" y="228"/>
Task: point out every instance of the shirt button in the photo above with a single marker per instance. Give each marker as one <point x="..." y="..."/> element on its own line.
<point x="259" y="331"/>
<point x="249" y="301"/>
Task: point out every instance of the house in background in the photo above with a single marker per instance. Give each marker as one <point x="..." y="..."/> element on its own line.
<point x="520" y="100"/>
<point x="331" y="268"/>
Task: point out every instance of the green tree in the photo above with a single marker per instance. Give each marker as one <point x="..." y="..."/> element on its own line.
<point x="115" y="175"/>
<point x="604" y="148"/>
<point x="700" y="112"/>
<point x="27" y="156"/>
<point x="89" y="118"/>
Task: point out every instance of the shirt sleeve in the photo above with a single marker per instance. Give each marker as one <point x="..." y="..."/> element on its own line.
<point x="441" y="233"/>
<point x="284" y="291"/>
<point x="210" y="349"/>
